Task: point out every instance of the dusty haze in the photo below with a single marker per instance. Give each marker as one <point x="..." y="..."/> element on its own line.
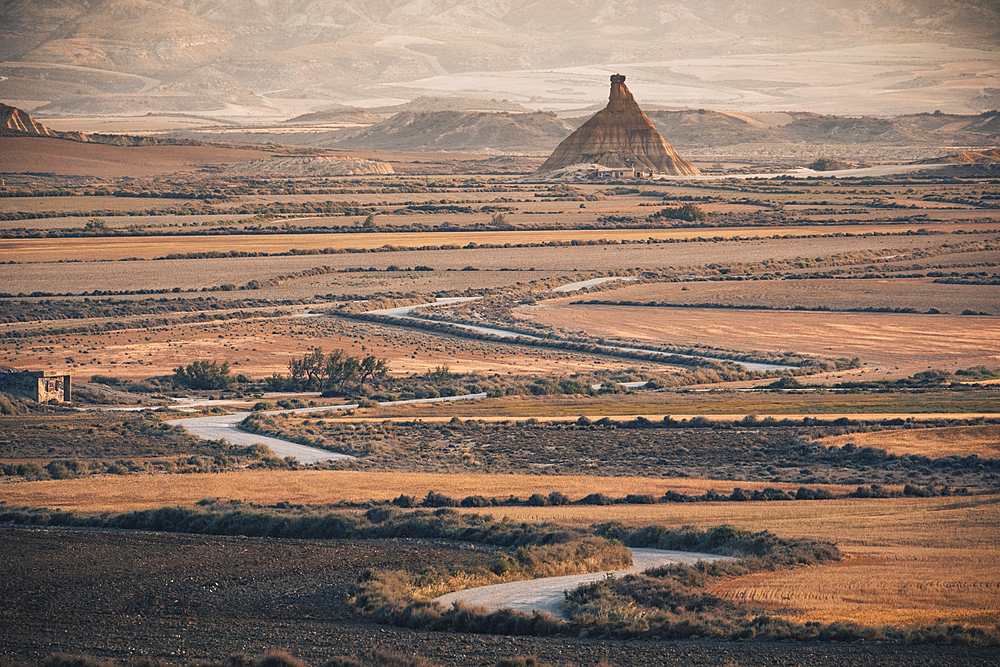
<point x="265" y="58"/>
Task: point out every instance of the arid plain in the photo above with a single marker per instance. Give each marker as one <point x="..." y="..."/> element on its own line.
<point x="871" y="303"/>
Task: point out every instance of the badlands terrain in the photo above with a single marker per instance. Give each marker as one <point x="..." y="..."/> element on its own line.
<point x="794" y="353"/>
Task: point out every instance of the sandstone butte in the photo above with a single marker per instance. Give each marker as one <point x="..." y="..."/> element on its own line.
<point x="619" y="136"/>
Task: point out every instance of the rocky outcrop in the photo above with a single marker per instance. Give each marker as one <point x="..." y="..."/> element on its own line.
<point x="619" y="136"/>
<point x="982" y="157"/>
<point x="14" y="121"/>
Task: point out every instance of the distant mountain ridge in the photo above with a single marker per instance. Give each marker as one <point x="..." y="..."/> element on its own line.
<point x="204" y="54"/>
<point x="462" y="131"/>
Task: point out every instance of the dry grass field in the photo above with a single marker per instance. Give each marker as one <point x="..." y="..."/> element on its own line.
<point x="78" y="277"/>
<point x="910" y="561"/>
<point x="111" y="493"/>
<point x="983" y="441"/>
<point x="40" y="155"/>
<point x="921" y="294"/>
<point x="117" y="248"/>
<point x="891" y="345"/>
<point x="260" y="347"/>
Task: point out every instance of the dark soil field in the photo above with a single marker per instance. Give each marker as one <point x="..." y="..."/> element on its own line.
<point x="184" y="599"/>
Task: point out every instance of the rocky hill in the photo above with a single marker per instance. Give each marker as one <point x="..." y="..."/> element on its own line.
<point x="428" y="103"/>
<point x="16" y="122"/>
<point x="337" y="116"/>
<point x="462" y="131"/>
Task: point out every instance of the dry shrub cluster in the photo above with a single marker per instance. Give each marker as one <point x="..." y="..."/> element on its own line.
<point x="751" y="449"/>
<point x="383" y="522"/>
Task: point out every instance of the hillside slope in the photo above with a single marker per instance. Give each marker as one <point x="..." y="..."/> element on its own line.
<point x="459" y="130"/>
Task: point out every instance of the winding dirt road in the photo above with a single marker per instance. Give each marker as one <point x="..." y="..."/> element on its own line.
<point x="547" y="594"/>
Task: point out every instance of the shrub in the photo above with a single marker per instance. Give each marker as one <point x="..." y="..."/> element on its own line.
<point x="557" y="498"/>
<point x="404" y="501"/>
<point x="11" y="406"/>
<point x="278" y="659"/>
<point x="687" y="212"/>
<point x="476" y="501"/>
<point x="538" y="500"/>
<point x="435" y="499"/>
<point x="60" y="660"/>
<point x="596" y="499"/>
<point x="203" y="375"/>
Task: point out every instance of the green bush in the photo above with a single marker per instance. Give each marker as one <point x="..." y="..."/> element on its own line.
<point x="203" y="375"/>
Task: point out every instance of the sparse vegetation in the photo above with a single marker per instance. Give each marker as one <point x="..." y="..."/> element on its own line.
<point x="204" y="375"/>
<point x="905" y="256"/>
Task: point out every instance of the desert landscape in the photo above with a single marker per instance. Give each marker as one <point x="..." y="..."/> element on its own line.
<point x="296" y="339"/>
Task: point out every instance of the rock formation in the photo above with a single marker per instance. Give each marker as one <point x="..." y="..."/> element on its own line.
<point x="17" y="122"/>
<point x="619" y="136"/>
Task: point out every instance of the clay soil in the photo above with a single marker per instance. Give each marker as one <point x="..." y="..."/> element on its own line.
<point x="77" y="277"/>
<point x="184" y="599"/>
<point x="891" y="345"/>
<point x="258" y="348"/>
<point x="57" y="156"/>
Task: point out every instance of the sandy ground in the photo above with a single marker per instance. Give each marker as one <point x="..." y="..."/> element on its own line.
<point x="892" y="345"/>
<point x="58" y="156"/>
<point x="153" y="247"/>
<point x="547" y="594"/>
<point x="223" y="427"/>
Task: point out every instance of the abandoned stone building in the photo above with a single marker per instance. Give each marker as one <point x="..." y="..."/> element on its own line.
<point x="38" y="386"/>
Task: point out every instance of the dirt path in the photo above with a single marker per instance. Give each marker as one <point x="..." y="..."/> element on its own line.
<point x="219" y="427"/>
<point x="547" y="594"/>
<point x="223" y="427"/>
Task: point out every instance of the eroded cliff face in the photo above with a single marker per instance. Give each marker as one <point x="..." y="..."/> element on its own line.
<point x="17" y="122"/>
<point x="621" y="136"/>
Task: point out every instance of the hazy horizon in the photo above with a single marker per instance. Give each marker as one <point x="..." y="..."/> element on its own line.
<point x="268" y="59"/>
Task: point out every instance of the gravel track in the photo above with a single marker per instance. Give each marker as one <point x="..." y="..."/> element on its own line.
<point x="547" y="594"/>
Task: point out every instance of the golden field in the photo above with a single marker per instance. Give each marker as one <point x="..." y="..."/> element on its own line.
<point x="890" y="344"/>
<point x="909" y="561"/>
<point x="152" y="247"/>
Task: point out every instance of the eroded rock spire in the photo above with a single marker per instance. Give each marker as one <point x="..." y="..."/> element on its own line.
<point x="619" y="136"/>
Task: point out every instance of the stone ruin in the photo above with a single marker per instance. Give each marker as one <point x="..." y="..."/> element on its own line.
<point x="38" y="386"/>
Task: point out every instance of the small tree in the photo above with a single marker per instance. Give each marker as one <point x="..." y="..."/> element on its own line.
<point x="332" y="373"/>
<point x="439" y="374"/>
<point x="203" y="375"/>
